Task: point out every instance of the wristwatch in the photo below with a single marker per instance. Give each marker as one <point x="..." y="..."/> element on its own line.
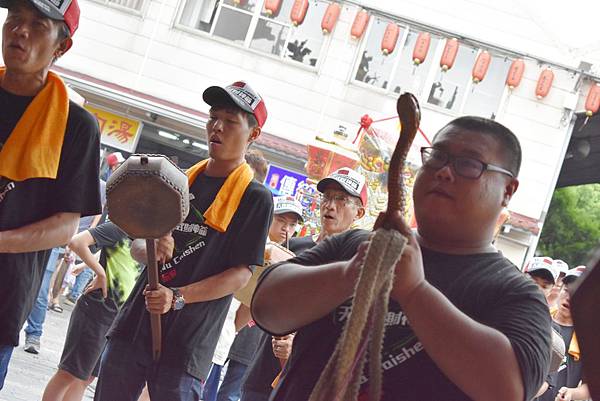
<point x="178" y="300"/>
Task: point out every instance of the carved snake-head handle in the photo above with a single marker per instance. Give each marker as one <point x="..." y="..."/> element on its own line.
<point x="409" y="113"/>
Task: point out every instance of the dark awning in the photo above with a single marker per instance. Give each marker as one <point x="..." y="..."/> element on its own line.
<point x="582" y="161"/>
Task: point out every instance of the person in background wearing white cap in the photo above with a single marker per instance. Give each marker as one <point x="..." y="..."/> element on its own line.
<point x="208" y="257"/>
<point x="49" y="156"/>
<point x="544" y="272"/>
<point x="343" y="202"/>
<point x="562" y="268"/>
<point x="287" y="213"/>
<point x="565" y="384"/>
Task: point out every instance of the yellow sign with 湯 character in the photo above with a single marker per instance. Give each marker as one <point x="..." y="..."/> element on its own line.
<point x="117" y="131"/>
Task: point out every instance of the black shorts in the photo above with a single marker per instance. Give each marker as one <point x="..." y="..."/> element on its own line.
<point x="86" y="335"/>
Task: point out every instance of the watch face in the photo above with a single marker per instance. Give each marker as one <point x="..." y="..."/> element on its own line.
<point x="179" y="303"/>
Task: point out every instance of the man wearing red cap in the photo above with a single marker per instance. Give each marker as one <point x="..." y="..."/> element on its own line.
<point x="49" y="156"/>
<point x="208" y="257"/>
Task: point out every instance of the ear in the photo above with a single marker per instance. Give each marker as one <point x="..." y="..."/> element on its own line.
<point x="254" y="134"/>
<point x="64" y="46"/>
<point x="360" y="212"/>
<point x="509" y="190"/>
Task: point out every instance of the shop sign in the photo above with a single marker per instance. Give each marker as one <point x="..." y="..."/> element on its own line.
<point x="283" y="182"/>
<point x="117" y="131"/>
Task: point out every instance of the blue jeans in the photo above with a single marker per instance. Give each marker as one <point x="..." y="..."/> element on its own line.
<point x="37" y="316"/>
<point x="255" y="396"/>
<point x="231" y="388"/>
<point x="5" y="353"/>
<point x="81" y="281"/>
<point x="212" y="383"/>
<point x="124" y="371"/>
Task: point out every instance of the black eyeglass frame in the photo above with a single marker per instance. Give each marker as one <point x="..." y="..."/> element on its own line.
<point x="426" y="151"/>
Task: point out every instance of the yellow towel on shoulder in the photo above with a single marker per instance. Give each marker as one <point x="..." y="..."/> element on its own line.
<point x="574" y="348"/>
<point x="34" y="146"/>
<point x="221" y="211"/>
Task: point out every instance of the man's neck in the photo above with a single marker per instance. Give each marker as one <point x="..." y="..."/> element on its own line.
<point x="322" y="235"/>
<point x="562" y="319"/>
<point x="457" y="247"/>
<point x="24" y="84"/>
<point x="219" y="168"/>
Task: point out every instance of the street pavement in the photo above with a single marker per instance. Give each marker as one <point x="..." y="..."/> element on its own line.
<point x="28" y="374"/>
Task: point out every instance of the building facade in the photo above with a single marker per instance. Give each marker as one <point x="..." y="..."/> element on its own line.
<point x="150" y="60"/>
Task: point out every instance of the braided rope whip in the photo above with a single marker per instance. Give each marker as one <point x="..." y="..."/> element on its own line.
<point x="340" y="381"/>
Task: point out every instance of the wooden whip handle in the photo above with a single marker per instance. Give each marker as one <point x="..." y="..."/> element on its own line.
<point x="153" y="285"/>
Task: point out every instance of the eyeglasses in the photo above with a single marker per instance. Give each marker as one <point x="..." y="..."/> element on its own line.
<point x="466" y="167"/>
<point x="337" y="199"/>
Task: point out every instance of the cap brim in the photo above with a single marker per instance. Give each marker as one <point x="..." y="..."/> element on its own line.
<point x="321" y="185"/>
<point x="543" y="273"/>
<point x="215" y="95"/>
<point x="282" y="211"/>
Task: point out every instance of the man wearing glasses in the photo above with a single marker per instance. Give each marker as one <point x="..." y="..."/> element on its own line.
<point x="464" y="322"/>
<point x="343" y="201"/>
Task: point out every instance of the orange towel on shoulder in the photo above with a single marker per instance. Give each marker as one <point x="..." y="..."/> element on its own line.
<point x="34" y="146"/>
<point x="221" y="211"/>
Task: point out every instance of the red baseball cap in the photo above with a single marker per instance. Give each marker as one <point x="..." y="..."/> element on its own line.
<point x="241" y="95"/>
<point x="60" y="10"/>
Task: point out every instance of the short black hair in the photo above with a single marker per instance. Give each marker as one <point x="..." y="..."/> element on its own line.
<point x="230" y="107"/>
<point x="504" y="136"/>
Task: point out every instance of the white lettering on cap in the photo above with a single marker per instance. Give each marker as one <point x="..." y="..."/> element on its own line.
<point x="247" y="96"/>
<point x="350" y="181"/>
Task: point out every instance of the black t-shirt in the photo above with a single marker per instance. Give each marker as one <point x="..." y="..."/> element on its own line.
<point x="265" y="366"/>
<point x="569" y="373"/>
<point x="487" y="287"/>
<point x="190" y="335"/>
<point x="76" y="189"/>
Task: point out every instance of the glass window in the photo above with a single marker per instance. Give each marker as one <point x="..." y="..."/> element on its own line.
<point x="307" y="39"/>
<point x="408" y="77"/>
<point x="199" y="14"/>
<point x="132" y="4"/>
<point x="246" y="5"/>
<point x="246" y="23"/>
<point x="484" y="100"/>
<point x="448" y="89"/>
<point x="375" y="68"/>
<point x="269" y="37"/>
<point x="232" y="25"/>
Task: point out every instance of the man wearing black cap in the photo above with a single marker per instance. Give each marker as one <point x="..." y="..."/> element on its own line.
<point x="208" y="257"/>
<point x="49" y="156"/>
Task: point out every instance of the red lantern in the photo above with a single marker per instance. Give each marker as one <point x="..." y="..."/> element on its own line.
<point x="360" y="24"/>
<point x="298" y="13"/>
<point x="272" y="7"/>
<point x="330" y="18"/>
<point x="449" y="54"/>
<point x="544" y="83"/>
<point x="421" y="47"/>
<point x="481" y="66"/>
<point x="515" y="73"/>
<point x="390" y="38"/>
<point x="592" y="103"/>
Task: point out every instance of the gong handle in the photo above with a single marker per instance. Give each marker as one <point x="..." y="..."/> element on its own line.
<point x="153" y="284"/>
